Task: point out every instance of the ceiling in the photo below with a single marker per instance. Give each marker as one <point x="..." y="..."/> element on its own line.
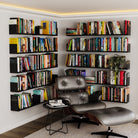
<point x="75" y="6"/>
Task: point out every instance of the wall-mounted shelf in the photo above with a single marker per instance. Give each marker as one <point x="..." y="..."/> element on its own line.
<point x="34" y="34"/>
<point x="35" y="52"/>
<point x="113" y="35"/>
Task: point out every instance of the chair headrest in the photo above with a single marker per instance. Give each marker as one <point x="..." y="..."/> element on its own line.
<point x="71" y="83"/>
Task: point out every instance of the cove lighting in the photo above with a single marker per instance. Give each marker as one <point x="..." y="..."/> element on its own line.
<point x="69" y="13"/>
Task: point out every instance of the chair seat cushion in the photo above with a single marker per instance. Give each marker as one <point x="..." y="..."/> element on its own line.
<point x="112" y="116"/>
<point x="81" y="108"/>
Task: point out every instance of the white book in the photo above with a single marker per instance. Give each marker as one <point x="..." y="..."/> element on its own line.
<point x="92" y="27"/>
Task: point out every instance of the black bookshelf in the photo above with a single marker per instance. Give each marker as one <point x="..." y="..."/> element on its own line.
<point x="34" y="34"/>
<point x="113" y="35"/>
<point x="35" y="52"/>
<point x="82" y="28"/>
<point x="35" y="70"/>
<point x="115" y="101"/>
<point x="15" y="108"/>
<point x="13" y="32"/>
<point x="98" y="51"/>
<point x="95" y="67"/>
<point x="107" y="84"/>
<point x="50" y="84"/>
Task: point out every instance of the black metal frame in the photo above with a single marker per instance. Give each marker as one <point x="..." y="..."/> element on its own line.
<point x="108" y="133"/>
<point x="49" y="127"/>
<point x="80" y="119"/>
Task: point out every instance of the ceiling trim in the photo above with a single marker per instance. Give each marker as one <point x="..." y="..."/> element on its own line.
<point x="64" y="15"/>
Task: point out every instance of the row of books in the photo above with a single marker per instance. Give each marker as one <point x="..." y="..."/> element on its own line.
<point x="98" y="44"/>
<point x="23" y="26"/>
<point x="115" y="94"/>
<point x="75" y="72"/>
<point x="100" y="28"/>
<point x="20" y="101"/>
<point x="49" y="27"/>
<point x="120" y="78"/>
<point x="30" y="80"/>
<point x="25" y="100"/>
<point x="45" y="94"/>
<point x="35" y="62"/>
<point x="32" y="44"/>
<point x="109" y="77"/>
<point x="87" y="60"/>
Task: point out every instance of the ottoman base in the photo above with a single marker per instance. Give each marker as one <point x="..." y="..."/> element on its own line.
<point x="108" y="133"/>
<point x="111" y="117"/>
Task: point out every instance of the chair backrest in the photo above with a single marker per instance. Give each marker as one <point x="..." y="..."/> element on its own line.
<point x="74" y="98"/>
<point x="71" y="83"/>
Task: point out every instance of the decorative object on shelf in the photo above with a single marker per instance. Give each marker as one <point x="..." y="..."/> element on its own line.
<point x="118" y="62"/>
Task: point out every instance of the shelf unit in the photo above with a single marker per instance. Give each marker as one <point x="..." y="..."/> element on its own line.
<point x="94" y="35"/>
<point x="95" y="67"/>
<point x="75" y="36"/>
<point x="18" y="94"/>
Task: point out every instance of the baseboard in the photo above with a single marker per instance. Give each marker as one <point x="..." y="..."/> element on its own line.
<point x="3" y="130"/>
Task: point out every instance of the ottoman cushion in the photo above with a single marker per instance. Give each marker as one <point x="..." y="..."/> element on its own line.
<point x="81" y="108"/>
<point x="112" y="116"/>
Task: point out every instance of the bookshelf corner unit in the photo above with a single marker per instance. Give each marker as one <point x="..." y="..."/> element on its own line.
<point x="92" y="47"/>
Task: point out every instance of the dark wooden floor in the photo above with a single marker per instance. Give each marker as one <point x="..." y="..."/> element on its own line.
<point x="29" y="128"/>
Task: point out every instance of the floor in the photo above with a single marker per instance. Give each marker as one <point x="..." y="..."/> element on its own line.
<point x="36" y="129"/>
<point x="130" y="130"/>
<point x="29" y="128"/>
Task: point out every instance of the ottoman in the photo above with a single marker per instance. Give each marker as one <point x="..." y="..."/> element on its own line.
<point x="111" y="117"/>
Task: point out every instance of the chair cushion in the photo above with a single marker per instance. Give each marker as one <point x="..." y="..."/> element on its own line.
<point x="71" y="83"/>
<point x="112" y="116"/>
<point x="89" y="106"/>
<point x="74" y="98"/>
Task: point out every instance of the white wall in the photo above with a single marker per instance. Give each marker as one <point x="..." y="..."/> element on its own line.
<point x="10" y="119"/>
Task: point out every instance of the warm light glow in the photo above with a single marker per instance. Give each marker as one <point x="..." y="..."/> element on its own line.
<point x="28" y="8"/>
<point x="69" y="13"/>
<point x="99" y="12"/>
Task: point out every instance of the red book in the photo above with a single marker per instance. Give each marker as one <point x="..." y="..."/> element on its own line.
<point x="126" y="26"/>
<point x="90" y="61"/>
<point x="50" y="27"/>
<point x="110" y="44"/>
<point x="97" y="27"/>
<point x="121" y="77"/>
<point x="108" y="98"/>
<point x="88" y="28"/>
<point x="88" y="44"/>
<point x="78" y="60"/>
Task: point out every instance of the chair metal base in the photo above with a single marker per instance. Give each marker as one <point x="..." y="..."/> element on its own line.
<point x="108" y="133"/>
<point x="80" y="120"/>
